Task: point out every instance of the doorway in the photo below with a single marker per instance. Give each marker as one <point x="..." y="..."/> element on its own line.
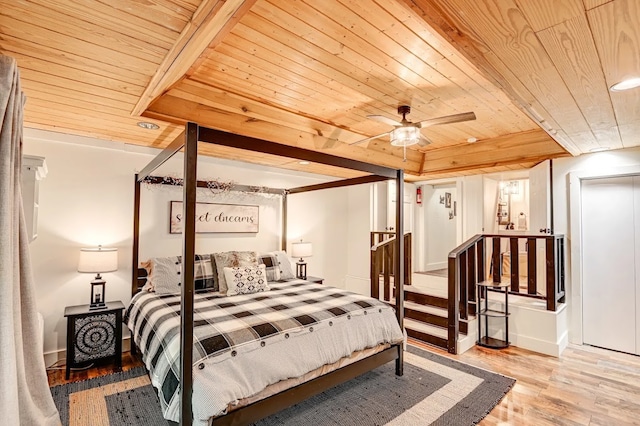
<point x="440" y="203"/>
<point x="610" y="216"/>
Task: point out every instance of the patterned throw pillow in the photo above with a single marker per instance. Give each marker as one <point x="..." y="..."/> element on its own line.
<point x="246" y="279"/>
<point x="165" y="275"/>
<point x="272" y="266"/>
<point x="232" y="259"/>
<point x="203" y="272"/>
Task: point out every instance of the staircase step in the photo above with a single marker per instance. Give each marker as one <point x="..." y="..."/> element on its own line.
<point x="425" y="299"/>
<point x="426" y="333"/>
<point x="431" y="315"/>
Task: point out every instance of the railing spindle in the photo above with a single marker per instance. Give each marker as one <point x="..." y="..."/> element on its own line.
<point x="532" y="263"/>
<point x="462" y="282"/>
<point x="495" y="261"/>
<point x="514" y="264"/>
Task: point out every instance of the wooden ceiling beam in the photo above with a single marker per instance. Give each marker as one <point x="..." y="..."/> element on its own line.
<point x="525" y="147"/>
<point x="177" y="110"/>
<point x="210" y="23"/>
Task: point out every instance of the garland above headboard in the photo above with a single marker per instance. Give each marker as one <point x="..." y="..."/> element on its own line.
<point x="215" y="186"/>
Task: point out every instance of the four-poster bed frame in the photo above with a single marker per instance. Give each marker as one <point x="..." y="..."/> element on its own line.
<point x="189" y="141"/>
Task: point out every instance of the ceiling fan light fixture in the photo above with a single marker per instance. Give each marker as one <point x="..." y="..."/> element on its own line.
<point x="629" y="83"/>
<point x="405" y="136"/>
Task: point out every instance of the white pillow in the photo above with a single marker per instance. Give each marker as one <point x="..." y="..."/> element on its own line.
<point x="232" y="259"/>
<point x="286" y="271"/>
<point x="165" y="275"/>
<point x="246" y="279"/>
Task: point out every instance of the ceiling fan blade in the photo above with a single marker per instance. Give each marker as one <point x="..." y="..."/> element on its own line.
<point x="455" y="118"/>
<point x="423" y="141"/>
<point x="369" y="139"/>
<point x="383" y="119"/>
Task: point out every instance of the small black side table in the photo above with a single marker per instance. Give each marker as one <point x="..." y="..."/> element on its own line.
<point x="93" y="335"/>
<point x="486" y="313"/>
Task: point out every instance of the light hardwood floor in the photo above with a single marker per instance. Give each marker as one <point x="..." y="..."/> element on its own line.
<point x="585" y="386"/>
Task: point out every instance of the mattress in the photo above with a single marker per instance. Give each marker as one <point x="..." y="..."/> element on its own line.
<point x="245" y="343"/>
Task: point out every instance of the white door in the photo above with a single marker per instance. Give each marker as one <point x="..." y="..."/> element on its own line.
<point x="539" y="190"/>
<point x="611" y="262"/>
<point x="408" y="207"/>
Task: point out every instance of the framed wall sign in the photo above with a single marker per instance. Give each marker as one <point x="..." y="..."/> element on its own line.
<point x="211" y="217"/>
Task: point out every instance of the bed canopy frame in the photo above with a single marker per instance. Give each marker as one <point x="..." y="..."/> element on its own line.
<point x="188" y="140"/>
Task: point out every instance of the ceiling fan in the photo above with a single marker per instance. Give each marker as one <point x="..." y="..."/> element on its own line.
<point x="406" y="133"/>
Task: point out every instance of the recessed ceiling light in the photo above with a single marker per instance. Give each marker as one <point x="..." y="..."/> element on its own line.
<point x="599" y="149"/>
<point x="472" y="139"/>
<point x="147" y="125"/>
<point x="629" y="83"/>
<point x="304" y="163"/>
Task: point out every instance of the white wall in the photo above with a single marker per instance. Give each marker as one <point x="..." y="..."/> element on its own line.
<point x="436" y="233"/>
<point x="87" y="199"/>
<point x="359" y="225"/>
<point x="472" y="206"/>
<point x="567" y="215"/>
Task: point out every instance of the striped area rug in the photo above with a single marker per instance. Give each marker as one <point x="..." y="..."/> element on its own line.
<point x="433" y="391"/>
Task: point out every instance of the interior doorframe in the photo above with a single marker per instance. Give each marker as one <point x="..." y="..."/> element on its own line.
<point x="420" y="225"/>
<point x="575" y="241"/>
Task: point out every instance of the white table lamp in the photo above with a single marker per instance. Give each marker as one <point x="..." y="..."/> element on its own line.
<point x="301" y="250"/>
<point x="98" y="260"/>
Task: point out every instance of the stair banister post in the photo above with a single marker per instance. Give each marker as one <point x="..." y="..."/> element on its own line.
<point x="453" y="302"/>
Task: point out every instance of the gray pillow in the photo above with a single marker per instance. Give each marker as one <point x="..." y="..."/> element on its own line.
<point x="232" y="259"/>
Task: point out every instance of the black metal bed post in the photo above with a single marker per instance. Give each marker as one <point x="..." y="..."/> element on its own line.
<point x="188" y="266"/>
<point x="399" y="260"/>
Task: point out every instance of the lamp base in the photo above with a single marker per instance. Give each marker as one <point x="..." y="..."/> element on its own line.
<point x="301" y="270"/>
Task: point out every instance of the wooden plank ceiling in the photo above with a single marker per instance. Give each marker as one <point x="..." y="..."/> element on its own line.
<point x="308" y="73"/>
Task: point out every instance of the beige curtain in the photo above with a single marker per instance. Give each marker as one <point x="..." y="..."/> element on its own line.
<point x="25" y="398"/>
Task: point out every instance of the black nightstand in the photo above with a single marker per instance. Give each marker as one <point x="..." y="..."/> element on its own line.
<point x="315" y="280"/>
<point x="93" y="335"/>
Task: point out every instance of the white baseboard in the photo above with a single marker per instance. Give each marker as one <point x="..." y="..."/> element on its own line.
<point x="541" y="346"/>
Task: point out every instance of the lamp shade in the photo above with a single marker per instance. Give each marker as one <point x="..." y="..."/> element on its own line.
<point x="301" y="250"/>
<point x="96" y="260"/>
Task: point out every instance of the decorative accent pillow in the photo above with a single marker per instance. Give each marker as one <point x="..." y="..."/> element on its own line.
<point x="232" y="259"/>
<point x="286" y="271"/>
<point x="148" y="285"/>
<point x="272" y="266"/>
<point x="165" y="275"/>
<point x="202" y="272"/>
<point x="246" y="279"/>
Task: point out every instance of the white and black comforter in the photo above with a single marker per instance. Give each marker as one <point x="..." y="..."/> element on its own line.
<point x="244" y="343"/>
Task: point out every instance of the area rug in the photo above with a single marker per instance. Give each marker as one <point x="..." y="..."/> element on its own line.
<point x="433" y="391"/>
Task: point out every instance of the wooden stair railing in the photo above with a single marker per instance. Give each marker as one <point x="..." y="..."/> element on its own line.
<point x="383" y="262"/>
<point x="466" y="268"/>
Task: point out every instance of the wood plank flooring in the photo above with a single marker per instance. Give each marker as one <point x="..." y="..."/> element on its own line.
<point x="585" y="386"/>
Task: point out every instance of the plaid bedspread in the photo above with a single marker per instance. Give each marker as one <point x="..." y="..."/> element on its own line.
<point x="228" y="327"/>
